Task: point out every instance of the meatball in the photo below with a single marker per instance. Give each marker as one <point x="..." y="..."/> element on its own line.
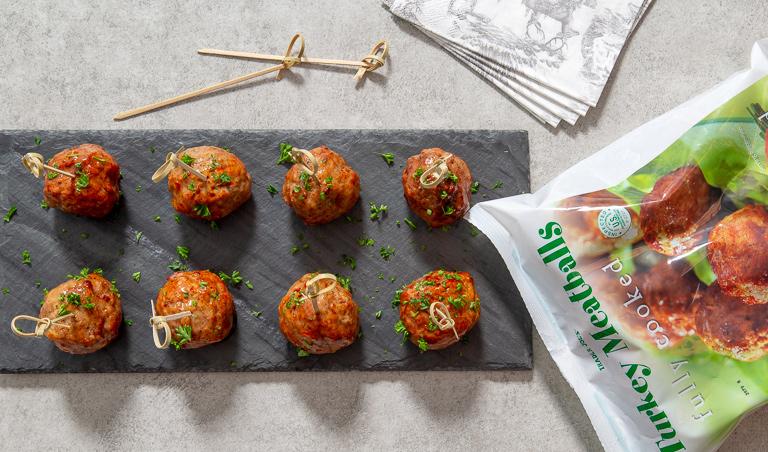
<point x="96" y="312"/>
<point x="206" y="296"/>
<point x="335" y="325"/>
<point x="322" y="198"/>
<point x="455" y="291"/>
<point x="679" y="204"/>
<point x="94" y="190"/>
<point x="580" y="216"/>
<point x="441" y="204"/>
<point x="731" y="327"/>
<point x="737" y="255"/>
<point x="226" y="187"/>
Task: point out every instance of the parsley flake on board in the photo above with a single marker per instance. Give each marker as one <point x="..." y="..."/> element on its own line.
<point x="9" y="214"/>
<point x="366" y="241"/>
<point x="475" y="187"/>
<point x="423" y="346"/>
<point x="157" y="219"/>
<point x="44" y="204"/>
<point x="497" y="185"/>
<point x="386" y="252"/>
<point x="38" y="140"/>
<point x="378" y="212"/>
<point x="348" y="261"/>
<point x="401" y="330"/>
<point x="202" y="210"/>
<point x="345" y="282"/>
<point x="271" y="190"/>
<point x="128" y="322"/>
<point x="285" y="154"/>
<point x="389" y="158"/>
<point x="136" y="276"/>
<point x="188" y="159"/>
<point x="235" y="279"/>
<point x="410" y="223"/>
<point x="26" y="259"/>
<point x="183" y="252"/>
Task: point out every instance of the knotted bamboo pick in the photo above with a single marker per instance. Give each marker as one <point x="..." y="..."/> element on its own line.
<point x="369" y="63"/>
<point x="35" y="163"/>
<point x="41" y="324"/>
<point x="435" y="174"/>
<point x="172" y="160"/>
<point x="307" y="162"/>
<point x="160" y="322"/>
<point x="311" y="292"/>
<point x="445" y="321"/>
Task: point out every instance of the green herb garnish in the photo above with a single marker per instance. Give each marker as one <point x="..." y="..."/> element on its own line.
<point x="82" y="181"/>
<point x="410" y="223"/>
<point x="26" y="258"/>
<point x="348" y="261"/>
<point x="366" y="241"/>
<point x="389" y="158"/>
<point x="188" y="159"/>
<point x="44" y="205"/>
<point x="386" y="252"/>
<point x="474" y="188"/>
<point x="138" y="236"/>
<point x="498" y="184"/>
<point x="177" y="266"/>
<point x="285" y="154"/>
<point x="377" y="212"/>
<point x="202" y="210"/>
<point x="136" y="276"/>
<point x="400" y="329"/>
<point x="8" y="215"/>
<point x="184" y="333"/>
<point x="302" y="353"/>
<point x="183" y="252"/>
<point x="271" y="190"/>
<point x="378" y="314"/>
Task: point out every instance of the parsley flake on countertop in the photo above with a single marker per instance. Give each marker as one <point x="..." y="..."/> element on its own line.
<point x="345" y="282"/>
<point x="400" y="329"/>
<point x="235" y="279"/>
<point x="9" y="214"/>
<point x="157" y="219"/>
<point x="378" y="314"/>
<point x="177" y="219"/>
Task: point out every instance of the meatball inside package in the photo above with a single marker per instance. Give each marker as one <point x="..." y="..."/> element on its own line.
<point x="645" y="270"/>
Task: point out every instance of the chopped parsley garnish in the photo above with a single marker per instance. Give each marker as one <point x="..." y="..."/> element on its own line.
<point x="178" y="266"/>
<point x="6" y="290"/>
<point x="136" y="276"/>
<point x="177" y="219"/>
<point x="473" y="231"/>
<point x="386" y="252"/>
<point x="410" y="223"/>
<point x="82" y="181"/>
<point x="138" y="189"/>
<point x="38" y="140"/>
<point x="348" y="261"/>
<point x="214" y="163"/>
<point x="498" y="184"/>
<point x="377" y="212"/>
<point x="417" y="174"/>
<point x="138" y="236"/>
<point x="157" y="219"/>
<point x="235" y="279"/>
<point x="429" y="212"/>
<point x="396" y="297"/>
<point x="8" y="215"/>
<point x="305" y="178"/>
<point x="183" y="252"/>
<point x="89" y="305"/>
<point x="452" y="177"/>
<point x="62" y="310"/>
<point x="214" y="225"/>
<point x="474" y="188"/>
<point x="249" y="284"/>
<point x="128" y="322"/>
<point x="152" y="149"/>
<point x="202" y="210"/>
<point x="285" y="154"/>
<point x="443" y="194"/>
<point x="400" y="329"/>
<point x="423" y="346"/>
<point x="184" y="335"/>
<point x="378" y="314"/>
<point x="52" y="174"/>
<point x="302" y="353"/>
<point x="84" y="235"/>
<point x="366" y="241"/>
<point x="475" y="305"/>
<point x="186" y="158"/>
<point x="191" y="186"/>
<point x="295" y="249"/>
<point x="345" y="282"/>
<point x="222" y="178"/>
<point x="25" y="258"/>
<point x="448" y="210"/>
<point x="271" y="190"/>
<point x="44" y="205"/>
<point x="389" y="158"/>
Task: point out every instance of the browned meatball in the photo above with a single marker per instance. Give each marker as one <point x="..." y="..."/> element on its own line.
<point x="334" y="327"/>
<point x="738" y="256"/>
<point x="97" y="313"/>
<point x="226" y="187"/>
<point x="679" y="204"/>
<point x="448" y="201"/>
<point x="456" y="290"/>
<point x="580" y="216"/>
<point x="731" y="327"/>
<point x="332" y="194"/>
<point x="94" y="190"/>
<point x="206" y="296"/>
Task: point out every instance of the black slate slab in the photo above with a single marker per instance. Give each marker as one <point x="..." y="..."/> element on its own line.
<point x="257" y="241"/>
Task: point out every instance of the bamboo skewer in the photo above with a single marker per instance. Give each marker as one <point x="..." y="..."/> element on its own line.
<point x="35" y="164"/>
<point x="374" y="60"/>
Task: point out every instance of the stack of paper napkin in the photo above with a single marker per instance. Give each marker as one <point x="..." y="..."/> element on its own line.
<point x="553" y="57"/>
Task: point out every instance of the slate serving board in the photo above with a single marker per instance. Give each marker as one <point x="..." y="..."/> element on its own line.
<point x="257" y="240"/>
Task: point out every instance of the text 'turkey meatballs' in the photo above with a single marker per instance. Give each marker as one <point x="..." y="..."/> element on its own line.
<point x="437" y="186"/>
<point x="680" y="203"/>
<point x="206" y="297"/>
<point x="320" y="187"/>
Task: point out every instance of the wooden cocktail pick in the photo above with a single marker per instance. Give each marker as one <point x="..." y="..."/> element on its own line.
<point x="441" y="316"/>
<point x="432" y="176"/>
<point x="172" y="160"/>
<point x="35" y="163"/>
<point x="374" y="60"/>
<point x="311" y="292"/>
<point x="41" y="324"/>
<point x="160" y="322"/>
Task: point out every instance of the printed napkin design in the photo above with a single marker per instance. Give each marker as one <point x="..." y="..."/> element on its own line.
<point x="568" y="47"/>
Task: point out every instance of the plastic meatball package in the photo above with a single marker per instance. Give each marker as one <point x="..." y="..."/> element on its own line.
<point x="645" y="270"/>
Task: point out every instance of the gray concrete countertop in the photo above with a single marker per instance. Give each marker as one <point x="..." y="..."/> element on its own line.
<point x="74" y="64"/>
